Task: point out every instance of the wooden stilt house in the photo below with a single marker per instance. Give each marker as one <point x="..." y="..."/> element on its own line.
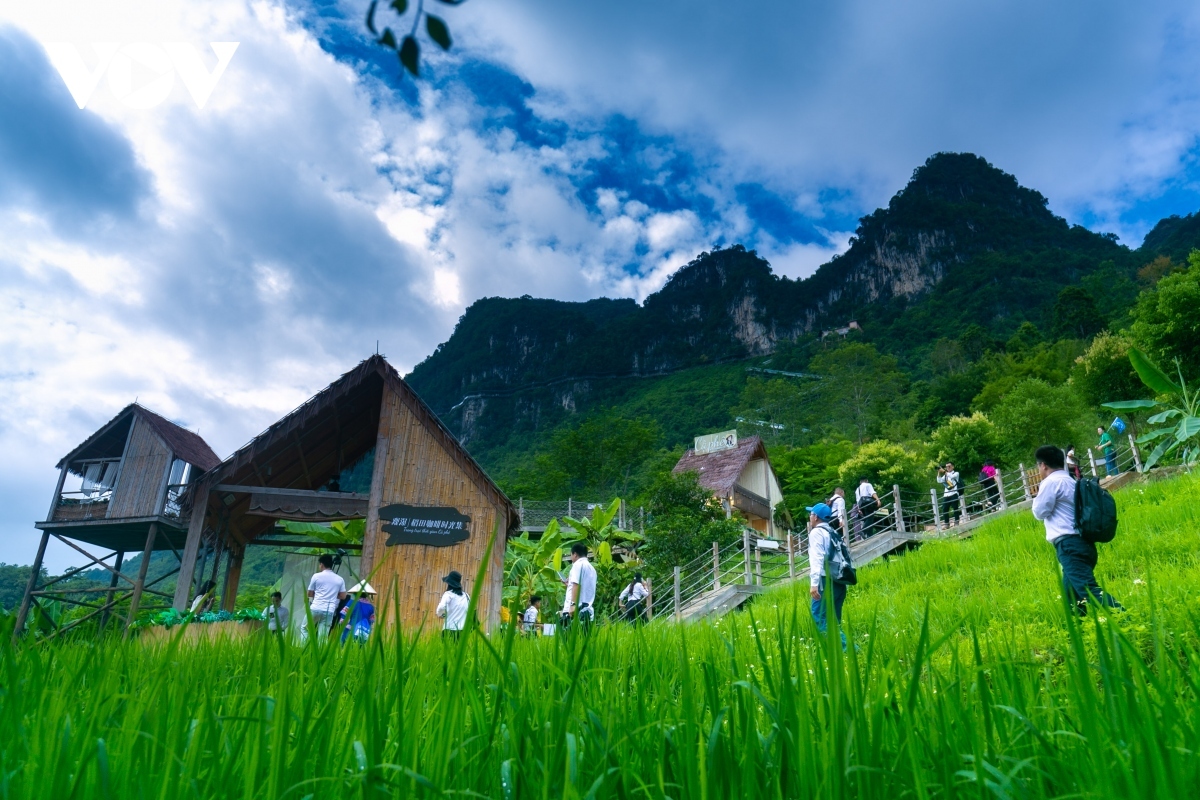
<point x="119" y="492"/>
<point x="740" y="475"/>
<point x="364" y="447"/>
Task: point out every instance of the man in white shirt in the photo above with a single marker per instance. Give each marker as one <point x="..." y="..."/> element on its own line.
<point x="1055" y="506"/>
<point x="581" y="587"/>
<point x="820" y="549"/>
<point x="276" y="614"/>
<point x="838" y="505"/>
<point x="947" y="476"/>
<point x="326" y="590"/>
<point x="868" y="503"/>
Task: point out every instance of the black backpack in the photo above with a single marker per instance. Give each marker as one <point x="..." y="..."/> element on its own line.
<point x="840" y="565"/>
<point x="1095" y="511"/>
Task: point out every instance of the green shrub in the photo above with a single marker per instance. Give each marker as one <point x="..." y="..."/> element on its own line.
<point x="1034" y="413"/>
<point x="966" y="441"/>
<point x="885" y="464"/>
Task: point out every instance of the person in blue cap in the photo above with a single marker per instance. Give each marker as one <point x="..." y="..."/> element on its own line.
<point x="820" y="547"/>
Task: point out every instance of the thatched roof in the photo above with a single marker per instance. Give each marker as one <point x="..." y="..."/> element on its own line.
<point x="719" y="471"/>
<point x="348" y="411"/>
<point x="183" y="443"/>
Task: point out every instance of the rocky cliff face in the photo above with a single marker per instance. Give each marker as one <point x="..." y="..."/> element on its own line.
<point x="727" y="304"/>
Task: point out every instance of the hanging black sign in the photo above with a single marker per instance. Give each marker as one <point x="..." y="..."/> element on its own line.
<point x="430" y="525"/>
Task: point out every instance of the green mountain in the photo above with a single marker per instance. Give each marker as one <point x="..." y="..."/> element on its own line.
<point x="962" y="247"/>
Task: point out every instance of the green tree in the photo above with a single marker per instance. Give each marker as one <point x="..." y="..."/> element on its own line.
<point x="13" y="580"/>
<point x="966" y="441"/>
<point x="977" y="340"/>
<point x="1104" y="372"/>
<point x="1112" y="288"/>
<point x="774" y="409"/>
<point x="885" y="464"/>
<point x="1034" y="413"/>
<point x="600" y="457"/>
<point x="808" y="474"/>
<point x="1075" y="314"/>
<point x="859" y="390"/>
<point x="1026" y="338"/>
<point x="1051" y="362"/>
<point x="685" y="520"/>
<point x="1166" y="321"/>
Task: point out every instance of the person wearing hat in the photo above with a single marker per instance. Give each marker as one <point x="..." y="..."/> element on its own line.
<point x="361" y="617"/>
<point x="820" y="548"/>
<point x="453" y="605"/>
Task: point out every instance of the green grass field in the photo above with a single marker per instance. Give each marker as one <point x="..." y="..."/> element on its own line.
<point x="967" y="680"/>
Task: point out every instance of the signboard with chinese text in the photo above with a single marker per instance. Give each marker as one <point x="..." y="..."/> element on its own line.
<point x="428" y="525"/>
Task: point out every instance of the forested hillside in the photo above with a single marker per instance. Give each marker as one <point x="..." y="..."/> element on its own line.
<point x="965" y="287"/>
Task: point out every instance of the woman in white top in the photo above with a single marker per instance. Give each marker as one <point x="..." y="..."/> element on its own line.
<point x="631" y="599"/>
<point x="453" y="606"/>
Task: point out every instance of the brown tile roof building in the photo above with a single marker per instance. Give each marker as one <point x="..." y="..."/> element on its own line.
<point x="719" y="471"/>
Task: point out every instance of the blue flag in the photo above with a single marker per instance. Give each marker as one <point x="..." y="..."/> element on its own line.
<point x="1118" y="425"/>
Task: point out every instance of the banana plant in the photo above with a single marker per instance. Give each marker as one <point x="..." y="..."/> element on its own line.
<point x="533" y="566"/>
<point x="601" y="533"/>
<point x="1179" y="423"/>
<point x="333" y="533"/>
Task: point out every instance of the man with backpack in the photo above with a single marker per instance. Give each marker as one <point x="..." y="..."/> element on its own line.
<point x="838" y="504"/>
<point x="828" y="555"/>
<point x="1074" y="530"/>
<point x="867" y="502"/>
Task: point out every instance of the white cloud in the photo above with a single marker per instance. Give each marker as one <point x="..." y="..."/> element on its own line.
<point x="1088" y="103"/>
<point x="308" y="211"/>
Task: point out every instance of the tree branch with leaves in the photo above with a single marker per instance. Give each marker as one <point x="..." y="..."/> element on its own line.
<point x="407" y="48"/>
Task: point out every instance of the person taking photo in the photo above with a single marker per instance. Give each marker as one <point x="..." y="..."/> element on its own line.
<point x="948" y="477"/>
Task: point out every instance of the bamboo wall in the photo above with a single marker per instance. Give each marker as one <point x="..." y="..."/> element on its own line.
<point x="145" y="463"/>
<point x="417" y="470"/>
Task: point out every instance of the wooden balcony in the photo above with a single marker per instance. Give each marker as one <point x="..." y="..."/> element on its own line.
<point x="752" y="504"/>
<point x="71" y="509"/>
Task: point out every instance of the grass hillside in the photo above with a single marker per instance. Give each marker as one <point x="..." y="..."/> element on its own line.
<point x="992" y="692"/>
<point x="1005" y="579"/>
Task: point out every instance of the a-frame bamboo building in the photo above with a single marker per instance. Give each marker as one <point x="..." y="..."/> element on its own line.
<point x="419" y="473"/>
<point x="370" y="429"/>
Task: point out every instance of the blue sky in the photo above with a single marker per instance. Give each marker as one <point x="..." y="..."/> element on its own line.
<point x="220" y="264"/>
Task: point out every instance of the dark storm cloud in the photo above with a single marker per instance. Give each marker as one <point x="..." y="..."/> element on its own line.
<point x="67" y="164"/>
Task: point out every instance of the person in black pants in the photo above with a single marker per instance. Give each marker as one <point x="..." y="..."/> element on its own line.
<point x="1055" y="506"/>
